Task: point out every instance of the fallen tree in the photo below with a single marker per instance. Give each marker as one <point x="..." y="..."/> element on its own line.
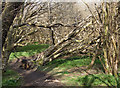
<point x="57" y="50"/>
<point x="106" y="41"/>
<point x="20" y="26"/>
<point x="93" y="35"/>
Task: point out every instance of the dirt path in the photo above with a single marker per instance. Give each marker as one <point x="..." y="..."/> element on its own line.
<point x="35" y="77"/>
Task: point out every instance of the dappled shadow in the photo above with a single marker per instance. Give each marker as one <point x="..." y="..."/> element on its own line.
<point x="56" y="63"/>
<point x="35" y="77"/>
<point x="88" y="80"/>
<point x="107" y="80"/>
<point x="28" y="50"/>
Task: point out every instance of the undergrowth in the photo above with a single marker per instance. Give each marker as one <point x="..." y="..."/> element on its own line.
<point x="11" y="78"/>
<point x="62" y="69"/>
<point x="28" y="50"/>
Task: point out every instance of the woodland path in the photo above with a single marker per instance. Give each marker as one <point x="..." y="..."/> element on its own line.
<point x="34" y="77"/>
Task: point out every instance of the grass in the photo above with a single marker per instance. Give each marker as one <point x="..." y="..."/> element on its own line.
<point x="28" y="50"/>
<point x="65" y="64"/>
<point x="66" y="70"/>
<point x="90" y="80"/>
<point x="63" y="70"/>
<point x="11" y="78"/>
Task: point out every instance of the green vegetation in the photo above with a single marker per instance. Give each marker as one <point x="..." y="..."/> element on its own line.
<point x="91" y="80"/>
<point x="11" y="78"/>
<point x="65" y="64"/>
<point x="28" y="50"/>
<point x="68" y="71"/>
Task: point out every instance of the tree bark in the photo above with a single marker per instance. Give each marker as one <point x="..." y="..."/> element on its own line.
<point x="10" y="11"/>
<point x="8" y="15"/>
<point x="55" y="51"/>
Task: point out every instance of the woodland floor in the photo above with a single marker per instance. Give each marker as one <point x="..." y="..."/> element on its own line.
<point x="44" y="78"/>
<point x="64" y="71"/>
<point x="34" y="77"/>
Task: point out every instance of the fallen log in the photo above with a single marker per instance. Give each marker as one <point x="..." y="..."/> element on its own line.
<point x="58" y="49"/>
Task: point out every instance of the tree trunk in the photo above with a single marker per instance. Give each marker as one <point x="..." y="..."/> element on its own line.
<point x="8" y="15"/>
<point x="57" y="50"/>
<point x="5" y="58"/>
<point x="93" y="60"/>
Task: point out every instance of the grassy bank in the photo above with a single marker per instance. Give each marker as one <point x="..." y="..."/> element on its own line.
<point x="71" y="71"/>
<point x="28" y="50"/>
<point x="11" y="78"/>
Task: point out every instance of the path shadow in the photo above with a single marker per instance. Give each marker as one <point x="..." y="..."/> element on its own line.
<point x="34" y="77"/>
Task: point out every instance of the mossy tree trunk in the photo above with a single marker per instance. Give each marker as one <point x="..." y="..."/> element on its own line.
<point x="10" y="11"/>
<point x="8" y="15"/>
<point x="107" y="21"/>
<point x="110" y="37"/>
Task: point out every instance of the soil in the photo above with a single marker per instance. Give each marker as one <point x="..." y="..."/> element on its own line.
<point x="34" y="77"/>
